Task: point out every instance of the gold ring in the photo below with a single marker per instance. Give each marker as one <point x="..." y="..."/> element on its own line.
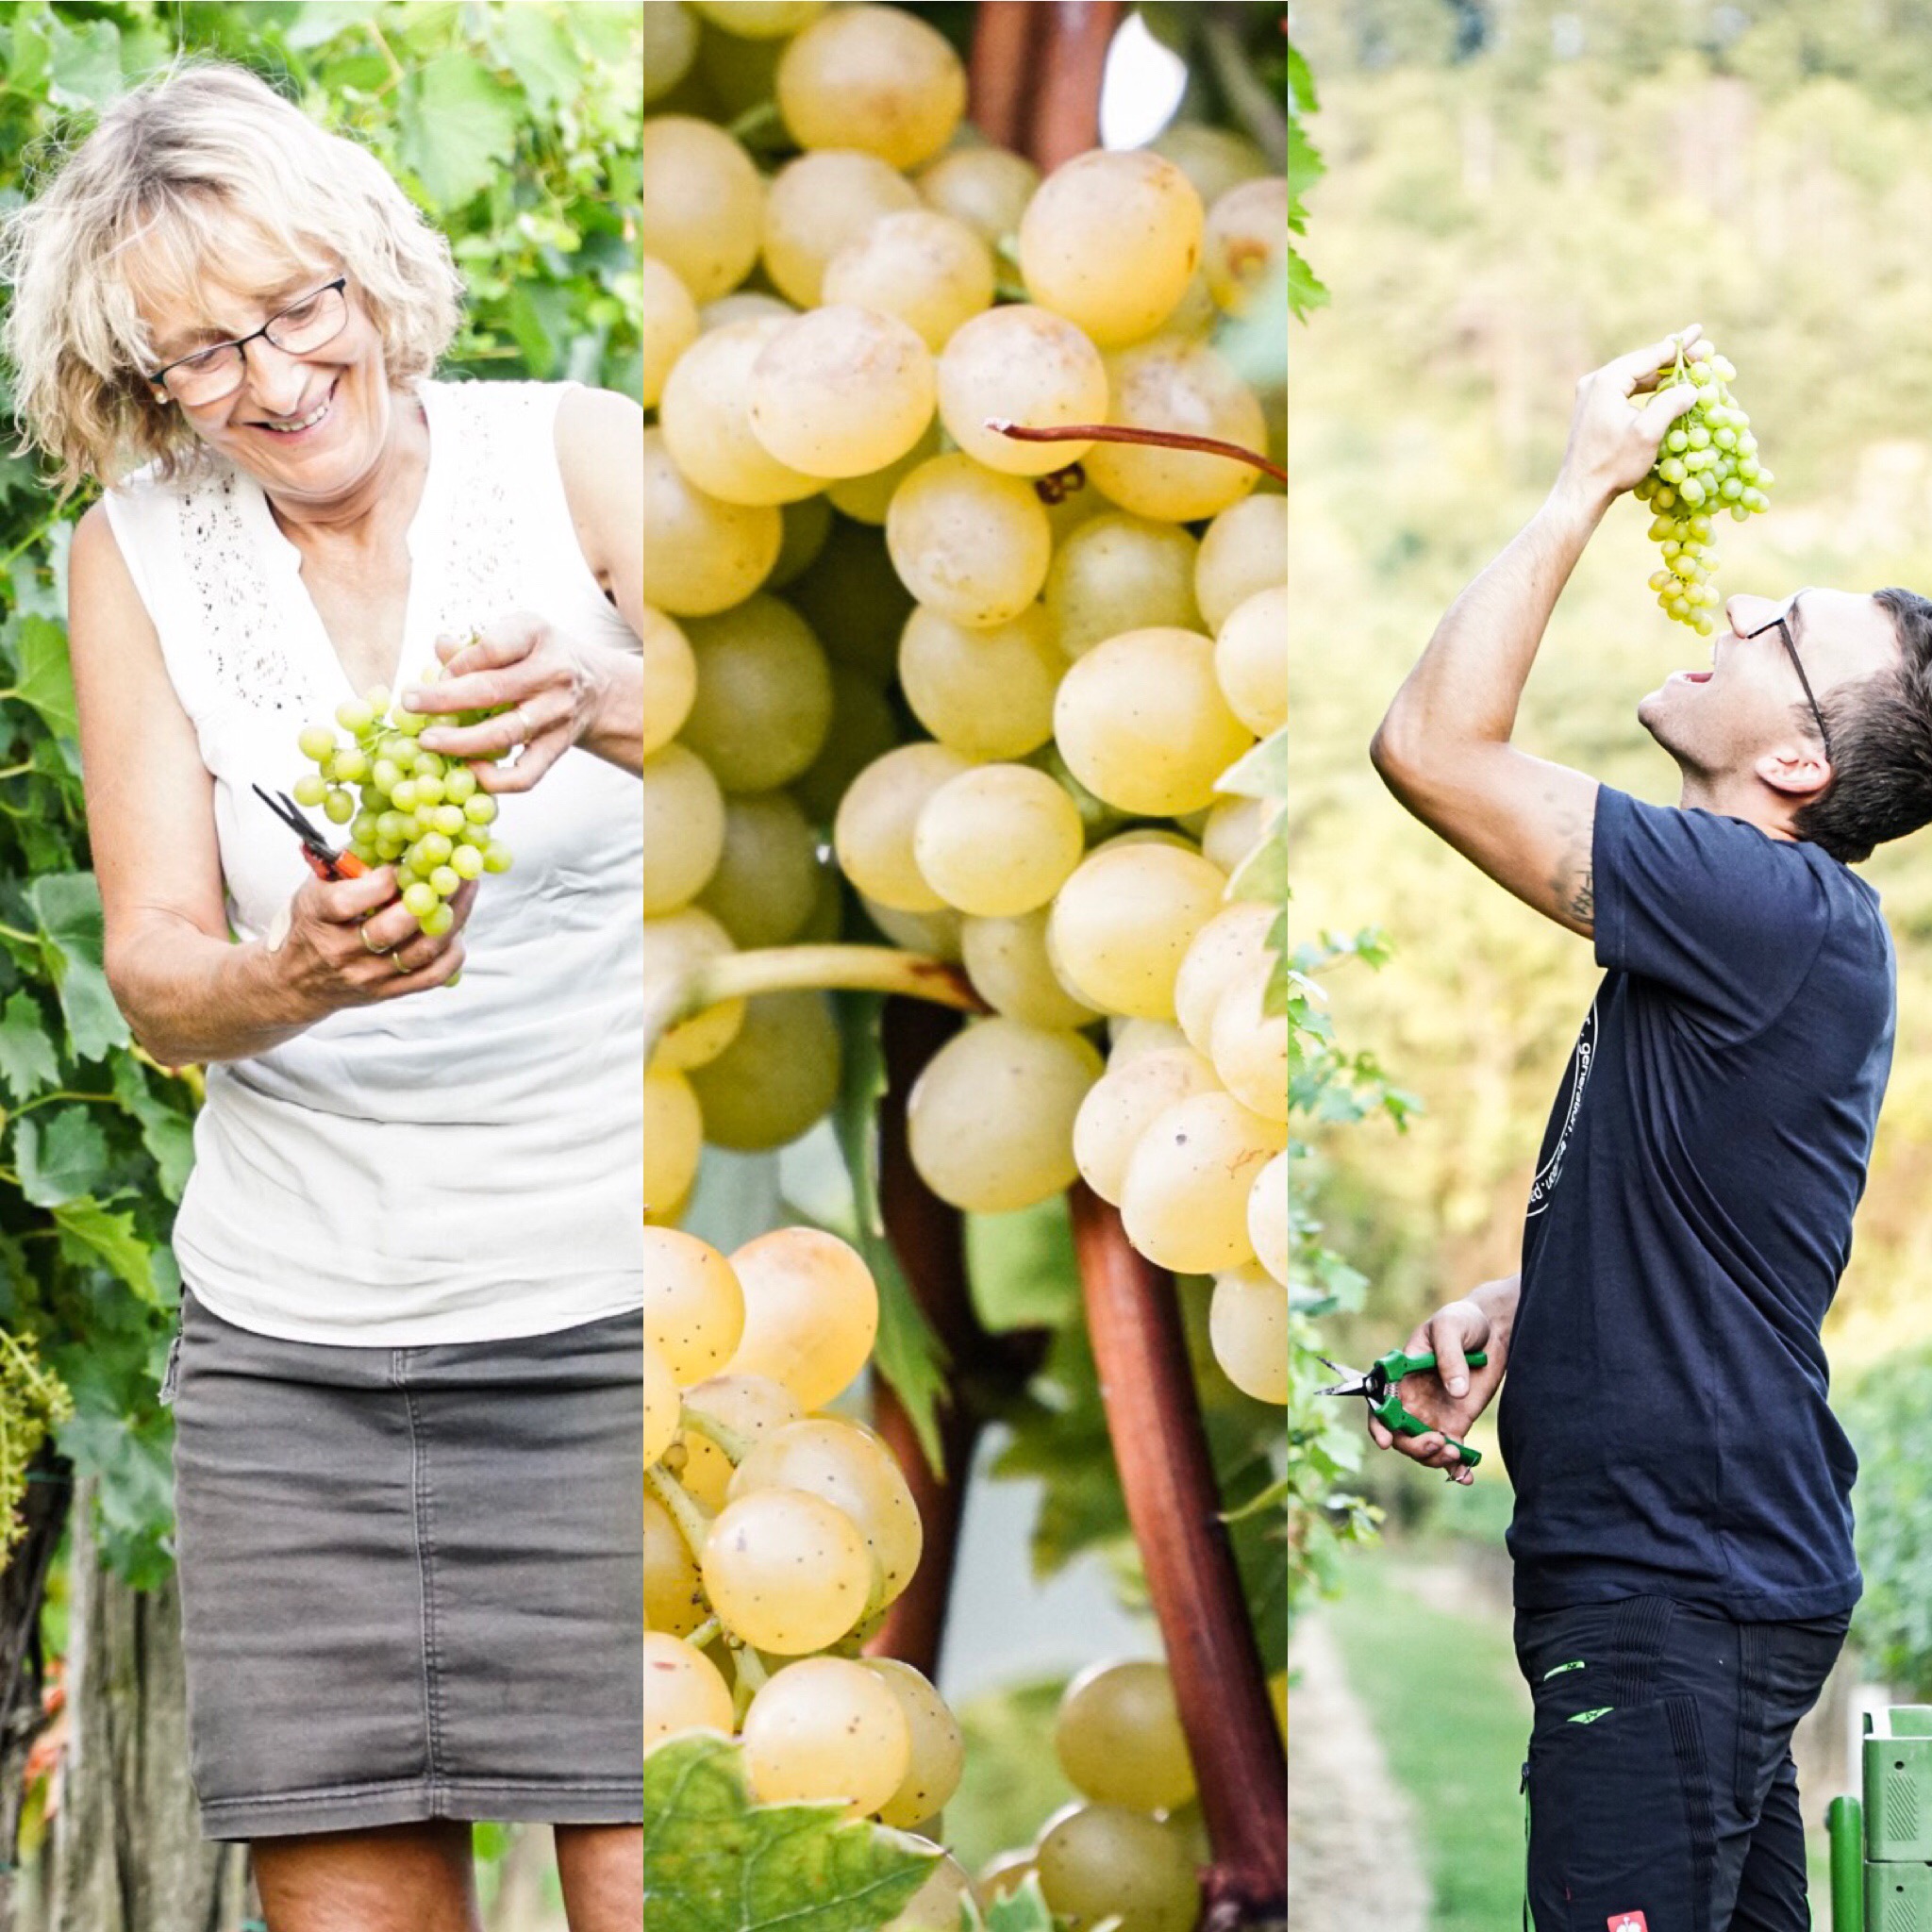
<point x="395" y="960"/>
<point x="380" y="952"/>
<point x="524" y="727"/>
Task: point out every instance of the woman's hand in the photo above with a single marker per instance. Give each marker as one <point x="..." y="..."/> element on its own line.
<point x="352" y="942"/>
<point x="555" y="691"/>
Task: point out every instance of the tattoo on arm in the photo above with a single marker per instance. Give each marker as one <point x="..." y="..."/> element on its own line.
<point x="1573" y="891"/>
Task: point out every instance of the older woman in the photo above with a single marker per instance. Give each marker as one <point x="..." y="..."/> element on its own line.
<point x="407" y="1386"/>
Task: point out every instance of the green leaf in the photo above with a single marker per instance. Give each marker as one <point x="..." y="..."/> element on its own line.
<point x="68" y="907"/>
<point x="1261" y="772"/>
<point x="907" y="1353"/>
<point x="26" y="65"/>
<point x="460" y="128"/>
<point x="28" y="1062"/>
<point x="715" y="1862"/>
<point x="536" y="48"/>
<point x="90" y="1233"/>
<point x="83" y="63"/>
<point x="166" y="1132"/>
<point x="61" y="1157"/>
<point x="1022" y="1910"/>
<point x="1263" y="874"/>
<point x="43" y="676"/>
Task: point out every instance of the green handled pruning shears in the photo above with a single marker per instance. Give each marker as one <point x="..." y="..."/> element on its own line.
<point x="1378" y="1387"/>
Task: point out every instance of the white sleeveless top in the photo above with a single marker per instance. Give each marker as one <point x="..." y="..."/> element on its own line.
<point x="462" y="1164"/>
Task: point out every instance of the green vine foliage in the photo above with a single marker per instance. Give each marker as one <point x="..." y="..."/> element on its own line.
<point x="515" y="127"/>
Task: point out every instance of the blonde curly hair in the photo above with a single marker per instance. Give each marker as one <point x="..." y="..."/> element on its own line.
<point x="204" y="171"/>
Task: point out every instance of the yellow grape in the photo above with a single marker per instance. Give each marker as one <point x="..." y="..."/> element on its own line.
<point x="935" y="1907"/>
<point x="1249" y="1048"/>
<point x="701" y="206"/>
<point x="931" y="271"/>
<point x="1247" y="1328"/>
<point x="1143" y="724"/>
<point x="668" y="324"/>
<point x="1118" y="1736"/>
<point x="811" y="1312"/>
<point x="744" y="304"/>
<point x="851" y="1468"/>
<point x="876" y="78"/>
<point x="693" y="1306"/>
<point x="938" y="1753"/>
<point x="673" y="1134"/>
<point x="786" y="1572"/>
<point x="1097" y="1860"/>
<point x="1109" y="242"/>
<point x="684" y="828"/>
<point x="776" y="1078"/>
<point x="674" y="1597"/>
<point x="1244" y="550"/>
<point x="825" y="1727"/>
<point x="706" y="419"/>
<point x="969" y="542"/>
<point x="669" y="678"/>
<point x="1214" y="159"/>
<point x="1122" y="922"/>
<point x="1251" y="660"/>
<point x="1171" y="383"/>
<point x="874" y="831"/>
<point x="819" y="202"/>
<point x="767" y="882"/>
<point x="936" y="934"/>
<point x="855" y="602"/>
<point x="675" y="941"/>
<point x="1268" y="1218"/>
<point x="1005" y="959"/>
<point x="750" y="1408"/>
<point x="841" y="391"/>
<point x="670" y="40"/>
<point x="989" y="1120"/>
<point x="987" y="188"/>
<point x="1184" y="1201"/>
<point x="1117" y="574"/>
<point x="1127" y="1039"/>
<point x="864" y="727"/>
<point x="1121" y="1105"/>
<point x="764" y="696"/>
<point x="660" y="1404"/>
<point x="701" y="554"/>
<point x="1233" y="941"/>
<point x="760" y="20"/>
<point x="683" y="1690"/>
<point x="807" y="530"/>
<point x="1234" y="828"/>
<point x="1000" y="1876"/>
<point x="998" y="840"/>
<point x="1244" y="243"/>
<point x="868" y="499"/>
<point x="986" y="693"/>
<point x="1023" y="365"/>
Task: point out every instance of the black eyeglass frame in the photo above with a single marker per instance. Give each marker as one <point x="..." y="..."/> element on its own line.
<point x="1783" y="628"/>
<point x="339" y="286"/>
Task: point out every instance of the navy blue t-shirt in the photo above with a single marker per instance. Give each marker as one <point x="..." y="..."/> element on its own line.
<point x="1664" y="1417"/>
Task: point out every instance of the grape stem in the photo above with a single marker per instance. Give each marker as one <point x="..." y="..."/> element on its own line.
<point x="1157" y="438"/>
<point x="1173" y="1507"/>
<point x="727" y="1440"/>
<point x="693" y="1525"/>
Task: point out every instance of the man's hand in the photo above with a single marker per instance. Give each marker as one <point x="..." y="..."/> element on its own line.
<point x="1611" y="444"/>
<point x="1451" y="1396"/>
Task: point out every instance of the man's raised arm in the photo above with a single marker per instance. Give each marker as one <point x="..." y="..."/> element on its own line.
<point x="1443" y="746"/>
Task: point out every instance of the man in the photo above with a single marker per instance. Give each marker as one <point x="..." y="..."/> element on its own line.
<point x="1683" y="1531"/>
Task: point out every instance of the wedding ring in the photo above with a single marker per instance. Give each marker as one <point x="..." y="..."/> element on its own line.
<point x="523" y="725"/>
<point x="395" y="960"/>
<point x="380" y="952"/>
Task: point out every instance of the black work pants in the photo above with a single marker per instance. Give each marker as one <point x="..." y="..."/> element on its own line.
<point x="1661" y="1792"/>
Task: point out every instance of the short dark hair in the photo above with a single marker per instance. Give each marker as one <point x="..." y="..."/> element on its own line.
<point x="1881" y="744"/>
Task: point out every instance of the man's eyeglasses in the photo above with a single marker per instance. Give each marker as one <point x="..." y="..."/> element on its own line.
<point x="211" y="374"/>
<point x="1781" y="624"/>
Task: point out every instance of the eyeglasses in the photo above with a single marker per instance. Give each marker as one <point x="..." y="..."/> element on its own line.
<point x="210" y="375"/>
<point x="1782" y="627"/>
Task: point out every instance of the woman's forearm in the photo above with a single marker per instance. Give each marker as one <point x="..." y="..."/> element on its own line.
<point x="191" y="999"/>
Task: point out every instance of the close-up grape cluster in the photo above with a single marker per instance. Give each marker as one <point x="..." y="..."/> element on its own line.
<point x="1706" y="464"/>
<point x="424" y="814"/>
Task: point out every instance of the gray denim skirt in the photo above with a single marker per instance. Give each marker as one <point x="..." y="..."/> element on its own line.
<point x="411" y="1578"/>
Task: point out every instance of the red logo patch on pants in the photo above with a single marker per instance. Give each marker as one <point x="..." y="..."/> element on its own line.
<point x="1629" y="1921"/>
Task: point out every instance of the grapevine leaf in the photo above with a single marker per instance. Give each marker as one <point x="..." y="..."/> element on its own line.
<point x="68" y="906"/>
<point x="1261" y="772"/>
<point x="60" y="1159"/>
<point x="716" y="1863"/>
<point x="1263" y="874"/>
<point x="89" y="1232"/>
<point x="166" y="1132"/>
<point x="1022" y="1910"/>
<point x="462" y="127"/>
<point x="1305" y="292"/>
<point x="533" y="42"/>
<point x="1301" y="82"/>
<point x="83" y="63"/>
<point x="133" y="1470"/>
<point x="907" y="1353"/>
<point x="28" y="1062"/>
<point x="43" y="676"/>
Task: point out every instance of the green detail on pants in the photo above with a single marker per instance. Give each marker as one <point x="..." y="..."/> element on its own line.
<point x="1589" y="1717"/>
<point x="1558" y="1670"/>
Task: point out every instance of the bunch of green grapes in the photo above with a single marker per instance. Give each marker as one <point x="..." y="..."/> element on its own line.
<point x="1708" y="464"/>
<point x="34" y="1402"/>
<point x="409" y="808"/>
<point x="776" y="1537"/>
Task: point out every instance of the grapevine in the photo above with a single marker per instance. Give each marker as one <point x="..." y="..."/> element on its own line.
<point x="33" y="1404"/>
<point x="1706" y="464"/>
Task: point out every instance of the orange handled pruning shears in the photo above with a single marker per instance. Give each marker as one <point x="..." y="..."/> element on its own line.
<point x="325" y="861"/>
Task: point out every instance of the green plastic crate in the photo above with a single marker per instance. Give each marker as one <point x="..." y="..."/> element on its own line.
<point x="1898" y="1794"/>
<point x="1898" y="1897"/>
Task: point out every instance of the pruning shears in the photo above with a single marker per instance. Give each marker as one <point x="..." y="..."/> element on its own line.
<point x="325" y="861"/>
<point x="1378" y="1386"/>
